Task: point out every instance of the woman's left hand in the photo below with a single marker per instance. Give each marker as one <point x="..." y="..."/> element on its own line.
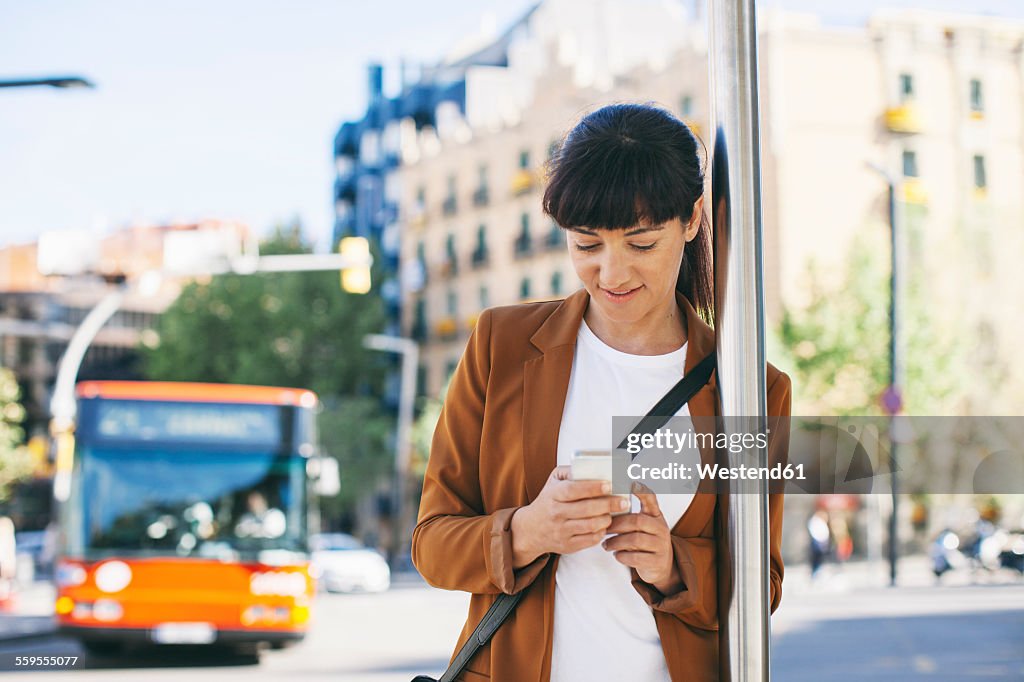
<point x="643" y="541"/>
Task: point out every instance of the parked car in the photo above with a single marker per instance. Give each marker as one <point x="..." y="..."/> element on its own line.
<point x="35" y="554"/>
<point x="343" y="564"/>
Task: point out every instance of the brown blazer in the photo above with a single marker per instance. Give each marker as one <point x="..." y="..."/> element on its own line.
<point x="493" y="450"/>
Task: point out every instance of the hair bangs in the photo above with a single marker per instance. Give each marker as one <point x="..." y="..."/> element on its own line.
<point x="618" y="184"/>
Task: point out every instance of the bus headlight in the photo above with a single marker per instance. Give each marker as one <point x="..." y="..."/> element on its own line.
<point x="113" y="576"/>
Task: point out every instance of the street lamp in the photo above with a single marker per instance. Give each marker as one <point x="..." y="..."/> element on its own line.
<point x="62" y="82"/>
<point x="892" y="399"/>
<point x="409" y="350"/>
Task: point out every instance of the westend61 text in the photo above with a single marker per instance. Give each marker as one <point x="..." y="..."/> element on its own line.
<point x="683" y="472"/>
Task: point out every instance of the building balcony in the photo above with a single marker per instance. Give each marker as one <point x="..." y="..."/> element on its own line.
<point x="416" y="215"/>
<point x="903" y="119"/>
<point x="449" y="206"/>
<point x="912" y="191"/>
<point x="522" y="247"/>
<point x="446" y="327"/>
<point x="523" y="181"/>
<point x="480" y="258"/>
<point x="448" y="268"/>
<point x="481" y="197"/>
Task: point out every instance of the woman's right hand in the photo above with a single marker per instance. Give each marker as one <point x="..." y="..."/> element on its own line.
<point x="567" y="516"/>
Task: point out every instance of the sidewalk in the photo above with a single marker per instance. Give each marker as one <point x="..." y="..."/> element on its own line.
<point x="914" y="571"/>
<point x="30" y="614"/>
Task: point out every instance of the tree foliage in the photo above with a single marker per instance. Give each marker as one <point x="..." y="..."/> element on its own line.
<point x="15" y="460"/>
<point x="838" y="344"/>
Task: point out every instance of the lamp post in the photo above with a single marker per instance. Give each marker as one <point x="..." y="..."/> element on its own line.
<point x="61" y="82"/>
<point x="409" y="350"/>
<point x="892" y="399"/>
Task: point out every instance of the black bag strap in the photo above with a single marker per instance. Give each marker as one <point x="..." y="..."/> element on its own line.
<point x="500" y="610"/>
<point x="676" y="397"/>
<point x="503" y="606"/>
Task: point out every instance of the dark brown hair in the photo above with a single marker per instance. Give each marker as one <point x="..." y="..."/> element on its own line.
<point x="625" y="164"/>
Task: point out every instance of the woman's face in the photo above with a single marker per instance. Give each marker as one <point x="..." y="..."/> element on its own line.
<point x="631" y="273"/>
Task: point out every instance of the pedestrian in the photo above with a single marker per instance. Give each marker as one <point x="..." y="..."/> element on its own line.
<point x="820" y="538"/>
<point x="629" y="597"/>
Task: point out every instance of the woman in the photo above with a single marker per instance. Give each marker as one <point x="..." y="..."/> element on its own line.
<point x="629" y="597"/>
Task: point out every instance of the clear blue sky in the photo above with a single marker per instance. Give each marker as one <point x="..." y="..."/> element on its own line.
<point x="222" y="109"/>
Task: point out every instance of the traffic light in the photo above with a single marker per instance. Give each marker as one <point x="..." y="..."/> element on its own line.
<point x="355" y="279"/>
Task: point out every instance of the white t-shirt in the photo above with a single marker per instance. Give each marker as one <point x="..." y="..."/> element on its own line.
<point x="603" y="629"/>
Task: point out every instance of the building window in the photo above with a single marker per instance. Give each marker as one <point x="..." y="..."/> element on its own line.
<point x="524" y="288"/>
<point x="451" y="258"/>
<point x="906" y="87"/>
<point x="419" y="322"/>
<point x="449" y="206"/>
<point x="421" y="196"/>
<point x="523" y="243"/>
<point x="481" y="193"/>
<point x="453" y="304"/>
<point x="422" y="379"/>
<point x="485" y="297"/>
<point x="524" y="159"/>
<point x="686" y="106"/>
<point x="909" y="164"/>
<point x="552" y="149"/>
<point x="980" y="181"/>
<point x="480" y="253"/>
<point x="977" y="96"/>
<point x="556" y="283"/>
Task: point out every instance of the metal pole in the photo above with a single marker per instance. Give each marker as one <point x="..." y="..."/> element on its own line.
<point x="739" y="327"/>
<point x="409" y="350"/>
<point x="892" y="399"/>
<point x="895" y="403"/>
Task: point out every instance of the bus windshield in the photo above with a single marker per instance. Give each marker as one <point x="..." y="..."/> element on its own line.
<point x="151" y="501"/>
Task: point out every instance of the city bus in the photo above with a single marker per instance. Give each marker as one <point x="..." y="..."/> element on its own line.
<point x="187" y="516"/>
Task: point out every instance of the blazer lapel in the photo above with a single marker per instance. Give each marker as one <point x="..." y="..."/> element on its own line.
<point x="545" y="385"/>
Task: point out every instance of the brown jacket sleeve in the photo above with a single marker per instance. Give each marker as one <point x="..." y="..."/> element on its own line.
<point x="456" y="545"/>
<point x="697" y="604"/>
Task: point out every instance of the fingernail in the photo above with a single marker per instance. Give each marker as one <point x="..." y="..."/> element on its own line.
<point x="623" y="504"/>
<point x="606" y="488"/>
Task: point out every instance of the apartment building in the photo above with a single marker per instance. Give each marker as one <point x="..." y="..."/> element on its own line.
<point x="933" y="100"/>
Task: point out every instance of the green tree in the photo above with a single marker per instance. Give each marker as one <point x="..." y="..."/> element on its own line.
<point x="287" y="329"/>
<point x="15" y="460"/>
<point x="838" y="344"/>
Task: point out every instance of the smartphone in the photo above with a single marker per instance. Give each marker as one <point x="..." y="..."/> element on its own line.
<point x="594" y="465"/>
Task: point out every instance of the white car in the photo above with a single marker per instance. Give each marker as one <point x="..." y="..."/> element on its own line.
<point x="343" y="564"/>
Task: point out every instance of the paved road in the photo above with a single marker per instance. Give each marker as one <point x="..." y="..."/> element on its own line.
<point x="822" y="633"/>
